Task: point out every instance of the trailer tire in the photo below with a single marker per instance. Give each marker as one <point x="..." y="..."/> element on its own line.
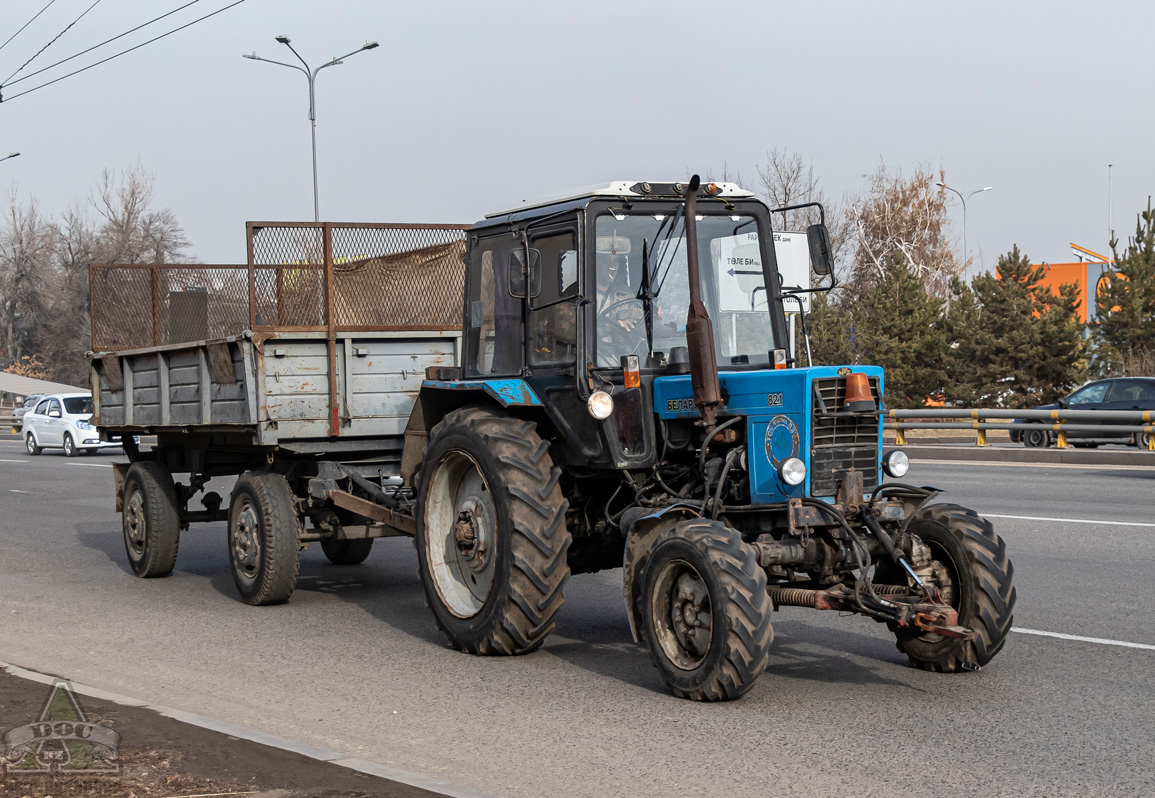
<point x="979" y="584"/>
<point x="347" y="552"/>
<point x="491" y="532"/>
<point x="150" y="520"/>
<point x="264" y="538"/>
<point x="697" y="572"/>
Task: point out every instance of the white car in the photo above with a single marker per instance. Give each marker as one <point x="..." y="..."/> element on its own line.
<point x="63" y="421"/>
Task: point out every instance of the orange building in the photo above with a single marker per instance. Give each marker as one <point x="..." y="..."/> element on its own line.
<point x="1083" y="273"/>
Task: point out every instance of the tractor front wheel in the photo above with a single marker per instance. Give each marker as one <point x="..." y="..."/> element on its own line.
<point x="970" y="568"/>
<point x="705" y="612"/>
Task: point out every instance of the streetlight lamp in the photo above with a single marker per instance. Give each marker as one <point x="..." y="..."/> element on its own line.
<point x="311" y="75"/>
<point x="9" y="155"/>
<point x="940" y="184"/>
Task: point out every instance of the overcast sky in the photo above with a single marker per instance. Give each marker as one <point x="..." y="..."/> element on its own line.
<point x="467" y="106"/>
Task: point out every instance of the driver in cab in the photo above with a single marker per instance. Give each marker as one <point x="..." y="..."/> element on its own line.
<point x="620" y="316"/>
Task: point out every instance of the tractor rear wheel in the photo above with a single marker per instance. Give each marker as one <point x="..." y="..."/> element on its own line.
<point x="705" y="612"/>
<point x="970" y="567"/>
<point x="491" y="534"/>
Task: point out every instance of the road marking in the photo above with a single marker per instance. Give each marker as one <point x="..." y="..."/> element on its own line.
<point x="1099" y="640"/>
<point x="13" y="461"/>
<point x="92" y="465"/>
<point x="14" y="490"/>
<point x="1088" y="466"/>
<point x="1067" y="520"/>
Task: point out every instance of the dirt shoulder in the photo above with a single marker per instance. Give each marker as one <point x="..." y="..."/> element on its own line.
<point x="159" y="756"/>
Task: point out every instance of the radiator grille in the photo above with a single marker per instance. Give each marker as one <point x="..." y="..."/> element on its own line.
<point x="839" y="442"/>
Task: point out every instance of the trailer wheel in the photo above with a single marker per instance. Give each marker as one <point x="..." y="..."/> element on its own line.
<point x="264" y="538"/>
<point x="1035" y="437"/>
<point x="705" y="612"/>
<point x="971" y="568"/>
<point x="150" y="520"/>
<point x="347" y="552"/>
<point x="491" y="535"/>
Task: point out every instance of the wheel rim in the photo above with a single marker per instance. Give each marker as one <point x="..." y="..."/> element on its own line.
<point x="682" y="614"/>
<point x="31" y="444"/>
<point x="246" y="543"/>
<point x="461" y="534"/>
<point x="69" y="447"/>
<point x="1035" y="438"/>
<point x="135" y="525"/>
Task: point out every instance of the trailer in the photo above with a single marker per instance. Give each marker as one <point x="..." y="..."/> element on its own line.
<point x="296" y="372"/>
<point x="602" y="380"/>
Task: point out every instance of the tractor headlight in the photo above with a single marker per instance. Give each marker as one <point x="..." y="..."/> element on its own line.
<point x="601" y="405"/>
<point x="792" y="471"/>
<point x="895" y="463"/>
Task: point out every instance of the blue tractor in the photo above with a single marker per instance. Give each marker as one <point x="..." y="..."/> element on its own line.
<point x="626" y="398"/>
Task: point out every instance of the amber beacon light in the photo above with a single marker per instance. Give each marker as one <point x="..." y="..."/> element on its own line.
<point x="858" y="396"/>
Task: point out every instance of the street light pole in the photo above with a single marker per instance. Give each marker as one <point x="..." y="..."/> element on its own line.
<point x="9" y="155"/>
<point x="964" y="204"/>
<point x="311" y="76"/>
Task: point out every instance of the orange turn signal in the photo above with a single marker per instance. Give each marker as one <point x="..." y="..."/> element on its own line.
<point x="631" y="371"/>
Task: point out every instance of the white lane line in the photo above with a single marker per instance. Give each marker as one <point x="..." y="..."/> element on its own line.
<point x="14" y="490"/>
<point x="1098" y="640"/>
<point x="92" y="465"/>
<point x="1099" y="521"/>
<point x="13" y="461"/>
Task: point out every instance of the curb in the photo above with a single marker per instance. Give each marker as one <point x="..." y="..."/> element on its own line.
<point x="222" y="727"/>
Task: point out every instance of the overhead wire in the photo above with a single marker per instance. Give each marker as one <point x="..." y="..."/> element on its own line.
<point x="123" y="52"/>
<point x="51" y="42"/>
<point x="26" y="24"/>
<point x="97" y="46"/>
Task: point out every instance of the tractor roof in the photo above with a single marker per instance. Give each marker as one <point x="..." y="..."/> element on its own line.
<point x="628" y="189"/>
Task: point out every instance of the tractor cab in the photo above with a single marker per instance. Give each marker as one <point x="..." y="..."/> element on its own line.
<point x="582" y="302"/>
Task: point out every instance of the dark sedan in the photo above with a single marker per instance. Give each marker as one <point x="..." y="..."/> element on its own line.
<point x="1118" y="393"/>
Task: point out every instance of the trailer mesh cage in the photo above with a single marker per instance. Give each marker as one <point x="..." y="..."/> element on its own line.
<point x="299" y="276"/>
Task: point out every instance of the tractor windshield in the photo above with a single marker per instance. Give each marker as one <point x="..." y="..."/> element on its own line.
<point x="642" y="289"/>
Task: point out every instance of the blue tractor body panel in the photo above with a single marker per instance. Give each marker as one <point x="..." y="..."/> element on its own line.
<point x="778" y="406"/>
<point x="509" y="392"/>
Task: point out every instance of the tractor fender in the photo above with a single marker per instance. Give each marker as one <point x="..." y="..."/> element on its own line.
<point x="640" y="538"/>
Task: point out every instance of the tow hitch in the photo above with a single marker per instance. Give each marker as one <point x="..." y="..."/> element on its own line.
<point x="928" y="615"/>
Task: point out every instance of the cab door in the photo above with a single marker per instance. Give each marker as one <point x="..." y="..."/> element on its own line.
<point x="53" y="424"/>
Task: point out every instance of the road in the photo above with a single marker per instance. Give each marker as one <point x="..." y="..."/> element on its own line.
<point x="354" y="664"/>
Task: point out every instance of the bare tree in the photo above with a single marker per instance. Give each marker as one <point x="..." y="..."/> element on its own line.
<point x="788" y="179"/>
<point x="26" y="248"/>
<point x="131" y="231"/>
<point x="903" y="219"/>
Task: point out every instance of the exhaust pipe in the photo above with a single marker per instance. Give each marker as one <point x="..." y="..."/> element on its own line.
<point x="699" y="330"/>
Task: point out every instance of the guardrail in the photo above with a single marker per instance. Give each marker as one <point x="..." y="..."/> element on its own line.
<point x="1062" y="422"/>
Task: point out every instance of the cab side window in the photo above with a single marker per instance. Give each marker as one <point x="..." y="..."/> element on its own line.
<point x="42" y="408"/>
<point x="493" y="318"/>
<point x="553" y="317"/>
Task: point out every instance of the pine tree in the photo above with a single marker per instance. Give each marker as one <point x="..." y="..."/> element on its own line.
<point x="1015" y="342"/>
<point x="898" y="326"/>
<point x="1124" y="335"/>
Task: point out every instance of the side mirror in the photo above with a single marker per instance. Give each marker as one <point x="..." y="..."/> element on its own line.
<point x="1063" y="401"/>
<point x="54" y="414"/>
<point x="518" y="273"/>
<point x="821" y="252"/>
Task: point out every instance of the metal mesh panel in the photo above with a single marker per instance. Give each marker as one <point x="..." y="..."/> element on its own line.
<point x="121" y="308"/>
<point x="383" y="277"/>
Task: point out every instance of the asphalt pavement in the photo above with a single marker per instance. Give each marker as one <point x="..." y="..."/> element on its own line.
<point x="354" y="664"/>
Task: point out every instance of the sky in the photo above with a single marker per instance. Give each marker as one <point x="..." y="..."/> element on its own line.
<point x="467" y="106"/>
